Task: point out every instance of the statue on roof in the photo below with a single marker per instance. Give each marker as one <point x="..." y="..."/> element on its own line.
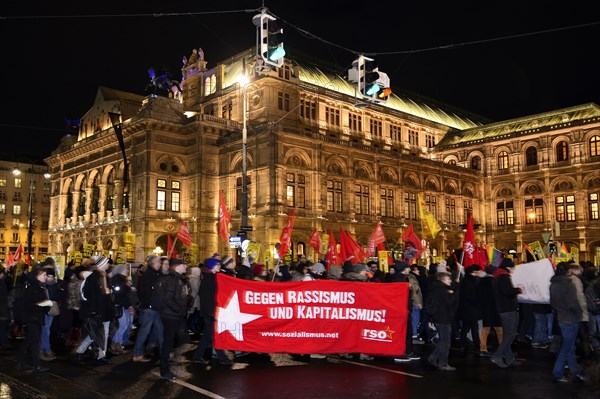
<point x="162" y="81"/>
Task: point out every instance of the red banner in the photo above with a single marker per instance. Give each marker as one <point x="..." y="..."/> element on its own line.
<point x="321" y="316"/>
<point x="224" y="218"/>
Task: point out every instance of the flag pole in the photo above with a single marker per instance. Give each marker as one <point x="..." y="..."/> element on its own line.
<point x="275" y="269"/>
<point x="172" y="248"/>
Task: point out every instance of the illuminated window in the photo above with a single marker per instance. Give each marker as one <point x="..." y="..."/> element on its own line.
<point x="387" y="202"/>
<point x="565" y="208"/>
<point x="361" y="199"/>
<point x="295" y="190"/>
<point x="2" y="209"/>
<point x="534" y="210"/>
<point x="175" y="185"/>
<point x="175" y="201"/>
<point x="410" y="206"/>
<point x="334" y="196"/>
<point x="450" y="210"/>
<point x="503" y="160"/>
<point x="562" y="151"/>
<point x="161" y="183"/>
<point x="505" y="213"/>
<point x="161" y="200"/>
<point x="594" y="147"/>
<point x="467" y="210"/>
<point x="593" y="206"/>
<point x="2" y="182"/>
<point x="18" y="182"/>
<point x="16" y="209"/>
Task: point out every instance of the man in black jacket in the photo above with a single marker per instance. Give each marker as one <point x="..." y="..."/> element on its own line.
<point x="505" y="294"/>
<point x="173" y="311"/>
<point x="149" y="319"/>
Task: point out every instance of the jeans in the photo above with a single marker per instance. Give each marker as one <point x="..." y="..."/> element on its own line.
<point x="124" y="322"/>
<point x="510" y="321"/>
<point x="45" y="343"/>
<point x="149" y="322"/>
<point x="416" y="319"/>
<point x="87" y="341"/>
<point x="540" y="330"/>
<point x="439" y="356"/>
<point x="566" y="356"/>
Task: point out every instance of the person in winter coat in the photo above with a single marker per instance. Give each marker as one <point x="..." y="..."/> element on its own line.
<point x="469" y="307"/>
<point x="150" y="326"/>
<point x="568" y="300"/>
<point x="489" y="311"/>
<point x="174" y="294"/>
<point x="208" y="306"/>
<point x="505" y="294"/>
<point x="46" y="352"/>
<point x="5" y="287"/>
<point x="442" y="303"/>
<point x="35" y="300"/>
<point x="121" y="290"/>
<point x="244" y="270"/>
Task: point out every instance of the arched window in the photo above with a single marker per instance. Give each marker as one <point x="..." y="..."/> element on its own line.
<point x="95" y="205"/>
<point x="110" y="191"/>
<point x="503" y="160"/>
<point x="595" y="146"/>
<point x="452" y="162"/>
<point x="476" y="162"/>
<point x="531" y="156"/>
<point x="562" y="151"/>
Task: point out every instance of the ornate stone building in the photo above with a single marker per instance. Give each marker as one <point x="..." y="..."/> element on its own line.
<point x="311" y="145"/>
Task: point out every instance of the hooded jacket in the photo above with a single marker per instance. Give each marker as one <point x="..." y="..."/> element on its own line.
<point x="505" y="293"/>
<point x="442" y="302"/>
<point x="568" y="299"/>
<point x="35" y="292"/>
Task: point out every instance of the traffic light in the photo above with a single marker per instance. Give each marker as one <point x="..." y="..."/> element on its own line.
<point x="270" y="35"/>
<point x="373" y="84"/>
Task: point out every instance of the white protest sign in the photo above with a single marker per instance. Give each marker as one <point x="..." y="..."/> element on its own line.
<point x="534" y="279"/>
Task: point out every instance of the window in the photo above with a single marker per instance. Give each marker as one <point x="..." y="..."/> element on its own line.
<point x="334" y="196"/>
<point x="18" y="182"/>
<point x="361" y="199"/>
<point x="413" y="137"/>
<point x="355" y="122"/>
<point x="476" y="162"/>
<point x="594" y="148"/>
<point x="110" y="191"/>
<point x="505" y="214"/>
<point x="430" y="140"/>
<point x="565" y="208"/>
<point x="387" y="202"/>
<point x="431" y="202"/>
<point x="2" y="182"/>
<point x="410" y="206"/>
<point x="227" y="110"/>
<point x="534" y="211"/>
<point x="450" y="211"/>
<point x="284" y="72"/>
<point x="82" y="199"/>
<point x="175" y="201"/>
<point x="16" y="209"/>
<point x="296" y="190"/>
<point x="16" y="222"/>
<point x="161" y="200"/>
<point x="175" y="185"/>
<point x="593" y="206"/>
<point x="467" y="210"/>
<point x="503" y="160"/>
<point x="16" y="196"/>
<point x="2" y="209"/>
<point x="332" y="116"/>
<point x="161" y="183"/>
<point x="46" y="186"/>
<point x="283" y="102"/>
<point x="562" y="151"/>
<point x="308" y="109"/>
<point x="452" y="162"/>
<point x="15" y="236"/>
<point x="531" y="156"/>
<point x="210" y="85"/>
<point x="95" y="204"/>
<point x="376" y="128"/>
<point x="395" y="132"/>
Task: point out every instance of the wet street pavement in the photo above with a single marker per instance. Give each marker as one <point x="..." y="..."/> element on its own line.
<point x="264" y="376"/>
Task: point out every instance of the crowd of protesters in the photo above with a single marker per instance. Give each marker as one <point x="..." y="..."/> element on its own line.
<point x="152" y="310"/>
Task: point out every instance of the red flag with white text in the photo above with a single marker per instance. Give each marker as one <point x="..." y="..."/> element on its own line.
<point x="321" y="316"/>
<point x="285" y="238"/>
<point x="315" y="241"/>
<point x="468" y="246"/>
<point x="19" y="254"/>
<point x="224" y="218"/>
<point x="378" y="237"/>
<point x="183" y="235"/>
<point x="333" y="256"/>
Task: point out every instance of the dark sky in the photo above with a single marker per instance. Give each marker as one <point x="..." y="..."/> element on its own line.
<point x="521" y="59"/>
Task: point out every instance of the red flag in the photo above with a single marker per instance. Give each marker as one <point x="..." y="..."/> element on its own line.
<point x="376" y="238"/>
<point x="10" y="261"/>
<point x="381" y="247"/>
<point x="350" y="248"/>
<point x="170" y="249"/>
<point x="333" y="257"/>
<point x="19" y="254"/>
<point x="468" y="246"/>
<point x="224" y="218"/>
<point x="412" y="245"/>
<point x="183" y="235"/>
<point x="286" y="235"/>
<point x="315" y="241"/>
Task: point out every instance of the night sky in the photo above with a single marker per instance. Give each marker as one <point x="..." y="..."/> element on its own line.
<point x="499" y="61"/>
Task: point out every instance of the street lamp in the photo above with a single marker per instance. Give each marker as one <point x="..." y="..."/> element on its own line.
<point x="17" y="172"/>
<point x="244" y="82"/>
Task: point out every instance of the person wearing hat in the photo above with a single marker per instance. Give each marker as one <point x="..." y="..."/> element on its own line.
<point x="208" y="306"/>
<point x="505" y="294"/>
<point x="96" y="309"/>
<point x="173" y="312"/>
<point x="228" y="266"/>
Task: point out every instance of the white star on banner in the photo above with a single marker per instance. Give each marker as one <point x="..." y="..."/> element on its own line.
<point x="231" y="319"/>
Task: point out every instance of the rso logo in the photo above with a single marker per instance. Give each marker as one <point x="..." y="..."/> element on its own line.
<point x="377" y="335"/>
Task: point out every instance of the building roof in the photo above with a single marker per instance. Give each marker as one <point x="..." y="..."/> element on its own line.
<point x="531" y="124"/>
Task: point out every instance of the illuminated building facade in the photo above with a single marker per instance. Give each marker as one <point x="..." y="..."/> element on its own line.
<point x="311" y="146"/>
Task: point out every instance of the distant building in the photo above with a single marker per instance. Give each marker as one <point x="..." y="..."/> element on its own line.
<point x="313" y="146"/>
